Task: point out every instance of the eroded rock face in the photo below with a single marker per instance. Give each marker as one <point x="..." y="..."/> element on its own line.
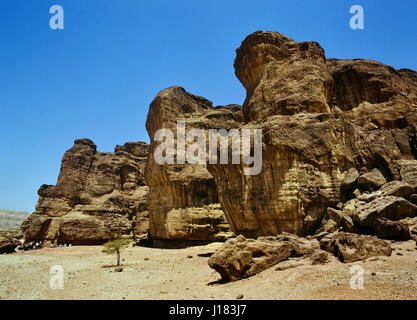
<point x="183" y="198"/>
<point x="241" y="258"/>
<point x="324" y="122"/>
<point x="8" y="245"/>
<point x="331" y="129"/>
<point x="350" y="247"/>
<point x="267" y="64"/>
<point x="98" y="196"/>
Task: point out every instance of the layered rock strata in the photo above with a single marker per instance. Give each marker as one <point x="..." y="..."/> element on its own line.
<point x="98" y="196"/>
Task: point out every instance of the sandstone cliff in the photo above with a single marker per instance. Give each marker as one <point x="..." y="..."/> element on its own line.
<point x="319" y="117"/>
<point x="98" y="196"/>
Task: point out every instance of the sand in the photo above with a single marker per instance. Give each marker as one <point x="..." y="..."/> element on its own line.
<point x="152" y="273"/>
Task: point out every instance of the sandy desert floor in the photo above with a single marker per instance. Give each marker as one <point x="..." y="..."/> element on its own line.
<point x="151" y="273"/>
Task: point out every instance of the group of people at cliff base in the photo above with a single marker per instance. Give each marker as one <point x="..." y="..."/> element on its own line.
<point x="53" y="245"/>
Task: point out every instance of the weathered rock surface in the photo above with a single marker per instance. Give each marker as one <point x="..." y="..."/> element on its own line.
<point x="98" y="196"/>
<point x="350" y="247"/>
<point x="349" y="181"/>
<point x="397" y="189"/>
<point x="183" y="198"/>
<point x="241" y="258"/>
<point x="408" y="168"/>
<point x="413" y="199"/>
<point x="333" y="133"/>
<point x="393" y="208"/>
<point x="317" y="132"/>
<point x="268" y="65"/>
<point x="372" y="180"/>
<point x="8" y="245"/>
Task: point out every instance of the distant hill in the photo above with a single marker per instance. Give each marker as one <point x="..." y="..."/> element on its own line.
<point x="10" y="219"/>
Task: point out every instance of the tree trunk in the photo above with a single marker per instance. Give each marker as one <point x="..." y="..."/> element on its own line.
<point x="118" y="257"/>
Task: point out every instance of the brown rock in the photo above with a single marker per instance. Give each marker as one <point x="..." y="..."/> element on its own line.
<point x="319" y="257"/>
<point x="372" y="180"/>
<point x="240" y="257"/>
<point x="275" y="84"/>
<point x="408" y="168"/>
<point x="397" y="189"/>
<point x="304" y="153"/>
<point x="350" y="180"/>
<point x="358" y="80"/>
<point x="341" y="218"/>
<point x="393" y="208"/>
<point x="392" y="230"/>
<point x="183" y="198"/>
<point x="98" y="196"/>
<point x="350" y="247"/>
<point x="330" y="226"/>
<point x="8" y="245"/>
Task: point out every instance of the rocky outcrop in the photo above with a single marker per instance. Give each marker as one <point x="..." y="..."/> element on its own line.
<point x="8" y="245"/>
<point x="393" y="208"/>
<point x="241" y="258"/>
<point x="98" y="196"/>
<point x="386" y="213"/>
<point x="331" y="130"/>
<point x="339" y="152"/>
<point x="329" y="126"/>
<point x="350" y="247"/>
<point x="276" y="83"/>
<point x="371" y="181"/>
<point x="393" y="230"/>
<point x="183" y="198"/>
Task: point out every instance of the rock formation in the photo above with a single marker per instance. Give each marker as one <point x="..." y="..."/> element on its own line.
<point x="328" y="126"/>
<point x="339" y="153"/>
<point x="350" y="247"/>
<point x="331" y="130"/>
<point x="98" y="196"/>
<point x="183" y="198"/>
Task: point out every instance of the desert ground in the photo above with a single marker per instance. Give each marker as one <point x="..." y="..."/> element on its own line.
<point x="153" y="273"/>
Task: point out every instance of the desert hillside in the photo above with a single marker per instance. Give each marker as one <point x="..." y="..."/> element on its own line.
<point x="10" y="219"/>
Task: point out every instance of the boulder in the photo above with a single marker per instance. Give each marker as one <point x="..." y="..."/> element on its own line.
<point x="397" y="189"/>
<point x="183" y="198"/>
<point x="8" y="245"/>
<point x="350" y="247"/>
<point x="314" y="128"/>
<point x="330" y="226"/>
<point x="392" y="230"/>
<point x="240" y="257"/>
<point x="408" y="167"/>
<point x="319" y="257"/>
<point x="349" y="181"/>
<point x="341" y="218"/>
<point x="393" y="208"/>
<point x="372" y="180"/>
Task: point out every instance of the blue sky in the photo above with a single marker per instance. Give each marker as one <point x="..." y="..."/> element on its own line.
<point x="97" y="77"/>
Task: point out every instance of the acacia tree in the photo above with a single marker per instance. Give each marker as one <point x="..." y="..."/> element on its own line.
<point x="115" y="246"/>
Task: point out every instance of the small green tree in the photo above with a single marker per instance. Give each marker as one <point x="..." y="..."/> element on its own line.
<point x="115" y="246"/>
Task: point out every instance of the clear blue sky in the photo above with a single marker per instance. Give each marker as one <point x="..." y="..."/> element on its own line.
<point x="96" y="78"/>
